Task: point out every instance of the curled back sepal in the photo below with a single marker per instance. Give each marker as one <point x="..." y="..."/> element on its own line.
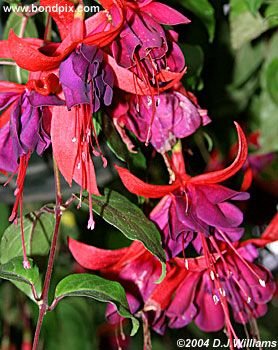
<point x="224" y="174"/>
<point x="137" y="186"/>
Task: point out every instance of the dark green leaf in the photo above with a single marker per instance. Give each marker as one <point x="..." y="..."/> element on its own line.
<point x="118" y="147"/>
<point x="194" y="58"/>
<point x="14" y="73"/>
<point x="114" y="140"/>
<point x="21" y="277"/>
<point x="70" y="326"/>
<point x="4" y="222"/>
<point x="130" y="220"/>
<point x="98" y="288"/>
<point x="204" y="10"/>
<point x="268" y="125"/>
<point x="38" y="231"/>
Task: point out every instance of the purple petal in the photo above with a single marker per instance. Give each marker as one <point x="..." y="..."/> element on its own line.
<point x="207" y="308"/>
<point x="8" y="158"/>
<point x="182" y="309"/>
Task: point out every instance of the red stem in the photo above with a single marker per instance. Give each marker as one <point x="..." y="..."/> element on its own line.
<point x="43" y="304"/>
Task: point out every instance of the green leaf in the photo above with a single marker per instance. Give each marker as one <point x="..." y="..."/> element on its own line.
<point x="272" y="80"/>
<point x="4" y="222"/>
<point x="21" y="277"/>
<point x="118" y="147"/>
<point x="268" y="125"/>
<point x="253" y="5"/>
<point x="98" y="288"/>
<point x="38" y="230"/>
<point x="271" y="14"/>
<point x="130" y="220"/>
<point x="14" y="73"/>
<point x="194" y="58"/>
<point x="244" y="25"/>
<point x="204" y="10"/>
<point x="248" y="59"/>
<point x="70" y="326"/>
<point x="113" y="139"/>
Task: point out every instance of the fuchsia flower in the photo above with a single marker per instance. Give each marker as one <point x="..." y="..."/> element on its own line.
<point x="87" y="82"/>
<point x="194" y="205"/>
<point x="200" y="291"/>
<point x="24" y="128"/>
<point x="134" y="267"/>
<point x="25" y="124"/>
<point x="143" y="44"/>
<point x="176" y="116"/>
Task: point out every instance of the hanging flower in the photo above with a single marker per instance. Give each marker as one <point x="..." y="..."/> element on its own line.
<point x="176" y="116"/>
<point x="87" y="82"/>
<point x="194" y="204"/>
<point x="24" y="128"/>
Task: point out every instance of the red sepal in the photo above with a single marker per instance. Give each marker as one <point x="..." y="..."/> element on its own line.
<point x="66" y="152"/>
<point x="136" y="186"/>
<point x="222" y="175"/>
<point x="93" y="258"/>
<point x="30" y="58"/>
<point x="63" y="19"/>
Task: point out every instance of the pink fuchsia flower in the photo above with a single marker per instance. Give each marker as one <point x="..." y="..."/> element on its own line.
<point x="177" y="115"/>
<point x="87" y="82"/>
<point x="25" y="122"/>
<point x="204" y="293"/>
<point x="135" y="267"/>
<point x="143" y="44"/>
<point x="194" y="204"/>
<point x="203" y="289"/>
<point x="24" y="128"/>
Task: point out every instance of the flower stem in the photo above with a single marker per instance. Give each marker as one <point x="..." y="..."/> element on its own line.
<point x="43" y="303"/>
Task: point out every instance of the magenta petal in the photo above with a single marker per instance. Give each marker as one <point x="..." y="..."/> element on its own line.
<point x="206" y="306"/>
<point x="212" y="214"/>
<point x="182" y="309"/>
<point x="8" y="158"/>
<point x="233" y="233"/>
<point x="218" y="193"/>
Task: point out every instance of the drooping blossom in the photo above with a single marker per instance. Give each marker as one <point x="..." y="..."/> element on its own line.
<point x="135" y="267"/>
<point x="143" y="45"/>
<point x="177" y="115"/>
<point x="205" y="288"/>
<point x="193" y="208"/>
<point x="202" y="292"/>
<point x="24" y="127"/>
<point x="87" y="83"/>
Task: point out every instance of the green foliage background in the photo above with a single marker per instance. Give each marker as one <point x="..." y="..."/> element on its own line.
<point x="231" y="49"/>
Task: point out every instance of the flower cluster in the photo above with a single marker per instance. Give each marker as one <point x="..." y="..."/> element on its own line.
<point x="126" y="61"/>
